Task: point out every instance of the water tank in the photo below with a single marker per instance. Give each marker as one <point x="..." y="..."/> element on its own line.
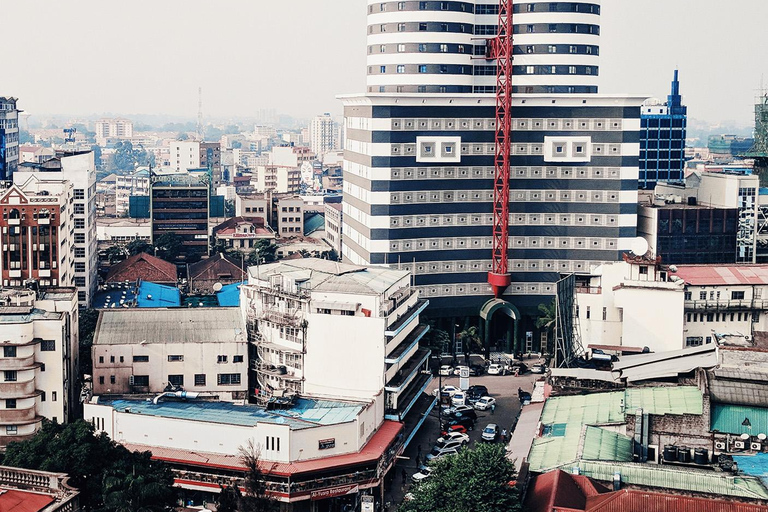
<point x="684" y="454"/>
<point x="670" y="453"/>
<point x="701" y="456"/>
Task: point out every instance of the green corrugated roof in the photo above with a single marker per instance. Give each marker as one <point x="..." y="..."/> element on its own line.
<point x="602" y="444"/>
<point x="603" y="409"/>
<point x="732" y="419"/>
<point x="691" y="480"/>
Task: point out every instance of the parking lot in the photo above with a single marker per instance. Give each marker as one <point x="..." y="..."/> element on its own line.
<point x="502" y="388"/>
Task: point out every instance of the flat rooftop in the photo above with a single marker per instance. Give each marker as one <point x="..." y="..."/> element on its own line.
<point x="305" y="413"/>
<point x="704" y="275"/>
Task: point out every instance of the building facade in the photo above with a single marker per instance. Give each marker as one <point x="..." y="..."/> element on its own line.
<point x="418" y="190"/>
<point x="333" y="223"/>
<point x="210" y="158"/>
<point x="662" y="139"/>
<point x="39" y="362"/>
<point x="184" y="155"/>
<point x="116" y="128"/>
<point x="322" y="134"/>
<point x="9" y="138"/>
<point x="439" y="47"/>
<point x="180" y="204"/>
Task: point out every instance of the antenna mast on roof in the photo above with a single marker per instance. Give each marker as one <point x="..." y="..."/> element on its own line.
<point x="200" y="114"/>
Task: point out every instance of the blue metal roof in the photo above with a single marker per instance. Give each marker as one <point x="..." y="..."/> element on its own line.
<point x="229" y="296"/>
<point x="305" y="413"/>
<point x="313" y="223"/>
<point x="115" y="296"/>
<point x="153" y="295"/>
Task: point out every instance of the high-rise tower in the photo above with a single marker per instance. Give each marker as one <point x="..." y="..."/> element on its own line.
<point x="9" y="138"/>
<point x="440" y="46"/>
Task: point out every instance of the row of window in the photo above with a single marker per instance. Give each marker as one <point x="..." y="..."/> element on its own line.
<point x="579" y="7"/>
<point x="722" y="317"/>
<point x="222" y="379"/>
<point x="715" y="295"/>
<point x="172" y="358"/>
<point x="45" y="346"/>
<point x="486" y="30"/>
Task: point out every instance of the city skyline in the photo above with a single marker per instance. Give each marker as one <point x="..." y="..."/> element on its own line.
<point x="248" y="57"/>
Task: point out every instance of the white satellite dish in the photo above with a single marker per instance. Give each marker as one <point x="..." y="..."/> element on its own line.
<point x="217" y="287"/>
<point x="639" y="246"/>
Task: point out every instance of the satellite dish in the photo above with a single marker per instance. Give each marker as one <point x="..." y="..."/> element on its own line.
<point x="217" y="287"/>
<point x="639" y="246"/>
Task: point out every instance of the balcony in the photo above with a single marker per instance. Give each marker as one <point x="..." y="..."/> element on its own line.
<point x="406" y="344"/>
<point x="281" y="318"/>
<point x="17" y="389"/>
<point x="18" y="363"/>
<point x="18" y="416"/>
<point x="404" y="401"/>
<point x="279" y="371"/>
<point x="726" y="305"/>
<point x="389" y="306"/>
<point x="407" y="371"/>
<point x="413" y="312"/>
<point x="589" y="290"/>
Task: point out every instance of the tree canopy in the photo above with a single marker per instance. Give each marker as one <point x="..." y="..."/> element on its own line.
<point x="110" y="477"/>
<point x="169" y="246"/>
<point x="474" y="480"/>
<point x="126" y="158"/>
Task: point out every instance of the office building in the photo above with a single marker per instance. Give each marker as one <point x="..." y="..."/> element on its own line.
<point x="438" y="47"/>
<point x="9" y="138"/>
<point x="418" y="191"/>
<point x="333" y="223"/>
<point x="279" y="179"/>
<point x="210" y="159"/>
<point x="184" y="155"/>
<point x="79" y="169"/>
<point x="39" y="360"/>
<point x="322" y="134"/>
<point x="662" y="139"/>
<point x="179" y="204"/>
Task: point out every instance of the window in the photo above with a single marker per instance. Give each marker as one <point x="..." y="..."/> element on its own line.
<point x="422" y="27"/>
<point x="401" y="68"/>
<point x="423" y="6"/>
<point x="444" y="48"/>
<point x="687" y="295"/>
<point x="54" y="396"/>
<point x="199" y="379"/>
<point x="42" y="396"/>
<point x="643" y="271"/>
<point x="176" y="380"/>
<point x="401" y="27"/>
<point x="101" y="359"/>
<point x="400" y="6"/>
<point x="140" y="359"/>
<point x="111" y="379"/>
<point x="10" y="403"/>
<point x="605" y="314"/>
<point x="422" y="68"/>
<point x="10" y="430"/>
<point x="737" y="295"/>
<point x="175" y="358"/>
<point x="50" y="346"/>
<point x="101" y="379"/>
<point x="702" y="295"/>
<point x="221" y="359"/>
<point x="140" y="380"/>
<point x="237" y="359"/>
<point x="10" y="375"/>
<point x="694" y="341"/>
<point x="111" y="359"/>
<point x="588" y="313"/>
<point x="382" y="69"/>
<point x="401" y="48"/>
<point x="9" y="351"/>
<point x="228" y="379"/>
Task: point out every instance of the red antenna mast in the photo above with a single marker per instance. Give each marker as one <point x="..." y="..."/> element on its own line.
<point x="501" y="49"/>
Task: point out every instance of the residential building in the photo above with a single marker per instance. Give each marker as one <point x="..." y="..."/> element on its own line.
<point x="111" y="232"/>
<point x="723" y="301"/>
<point x="79" y="169"/>
<point x="662" y="139"/>
<point x="289" y="216"/>
<point x="322" y="134"/>
<point x="35" y="154"/>
<point x="685" y="234"/>
<point x="333" y="223"/>
<point x="9" y="137"/>
<point x="28" y="490"/>
<point x="438" y="47"/>
<point x="277" y="179"/>
<point x="143" y="351"/>
<point x="423" y="200"/>
<point x="185" y="155"/>
<point x="113" y="128"/>
<point x="39" y="360"/>
<point x="615" y="304"/>
<point x="212" y="274"/>
<point x="210" y="158"/>
<point x="254" y="206"/>
<point x="36" y="225"/>
<point x="180" y="204"/>
<point x="303" y="313"/>
<point x="291" y="156"/>
<point x="243" y="232"/>
<point x="124" y="186"/>
<point x="144" y="267"/>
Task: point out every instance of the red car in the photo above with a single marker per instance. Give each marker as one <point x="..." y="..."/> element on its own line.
<point x="455" y="428"/>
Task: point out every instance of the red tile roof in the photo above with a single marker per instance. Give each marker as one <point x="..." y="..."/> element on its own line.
<point x="372" y="451"/>
<point x="23" y="501"/>
<point x="704" y="275"/>
<point x="215" y="268"/>
<point x="560" y="491"/>
<point x="627" y="500"/>
<point x="145" y="267"/>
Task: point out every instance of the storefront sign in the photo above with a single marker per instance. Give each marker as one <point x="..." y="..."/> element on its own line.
<point x="323" y="494"/>
<point x="326" y="444"/>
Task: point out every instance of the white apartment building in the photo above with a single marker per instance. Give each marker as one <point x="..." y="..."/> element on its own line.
<point x="322" y="134"/>
<point x="277" y="178"/>
<point x="122" y="231"/>
<point x="184" y="155"/>
<point x="291" y="156"/>
<point x="330" y="329"/>
<point x="289" y="216"/>
<point x="143" y="351"/>
<point x="117" y="128"/>
<point x="125" y="186"/>
<point x="333" y="223"/>
<point x="39" y="360"/>
<point x="632" y="303"/>
<point x="254" y="205"/>
<point x="723" y="301"/>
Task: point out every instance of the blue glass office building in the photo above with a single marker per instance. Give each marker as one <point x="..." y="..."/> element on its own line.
<point x="662" y="140"/>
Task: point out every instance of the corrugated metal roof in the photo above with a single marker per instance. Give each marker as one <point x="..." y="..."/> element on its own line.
<point x="193" y="325"/>
<point x="602" y="444"/>
<point x="13" y="500"/>
<point x="153" y="295"/>
<point x="739" y="419"/>
<point x="738" y="387"/>
<point x="665" y="400"/>
<point x="627" y="500"/>
<point x="229" y="296"/>
<point x="700" y="275"/>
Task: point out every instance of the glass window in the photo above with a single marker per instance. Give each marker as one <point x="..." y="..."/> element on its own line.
<point x="199" y="379"/>
<point x="176" y="380"/>
<point x="9" y="351"/>
<point x="50" y="346"/>
<point x="10" y="403"/>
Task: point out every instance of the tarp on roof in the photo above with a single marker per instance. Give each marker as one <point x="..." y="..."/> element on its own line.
<point x="229" y="296"/>
<point x="153" y="295"/>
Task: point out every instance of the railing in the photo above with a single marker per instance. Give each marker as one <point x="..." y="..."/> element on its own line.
<point x="591" y="290"/>
<point x="279" y="317"/>
<point x="725" y="304"/>
<point x="390" y="305"/>
<point x="41" y="481"/>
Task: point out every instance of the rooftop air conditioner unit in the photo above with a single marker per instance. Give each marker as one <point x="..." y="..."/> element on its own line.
<point x="720" y="445"/>
<point x="756" y="446"/>
<point x="738" y="445"/>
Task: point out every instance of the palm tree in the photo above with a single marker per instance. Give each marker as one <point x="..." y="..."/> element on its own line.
<point x="547" y="319"/>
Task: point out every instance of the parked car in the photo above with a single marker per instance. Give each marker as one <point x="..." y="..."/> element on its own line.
<point x="475" y="393"/>
<point x="458" y="398"/>
<point x="461" y="429"/>
<point x="518" y="367"/>
<point x="476" y="370"/>
<point x="422" y="475"/>
<point x="490" y="433"/>
<point x="456" y="443"/>
<point x="467" y="423"/>
<point x="496" y="369"/>
<point x="539" y="368"/>
<point x="446" y="370"/>
<point x="442" y="453"/>
<point x="447" y="390"/>
<point x="453" y="436"/>
<point x="457" y="370"/>
<point x="485" y="403"/>
<point x="466" y="412"/>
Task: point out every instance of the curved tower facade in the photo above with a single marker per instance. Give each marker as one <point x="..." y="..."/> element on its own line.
<point x="440" y="47"/>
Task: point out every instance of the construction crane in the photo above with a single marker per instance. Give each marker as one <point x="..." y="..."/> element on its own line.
<point x="501" y="49"/>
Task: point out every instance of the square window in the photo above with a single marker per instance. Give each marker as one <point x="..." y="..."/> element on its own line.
<point x="221" y="359"/>
<point x="11" y="430"/>
<point x="176" y="380"/>
<point x="9" y="351"/>
<point x="237" y="359"/>
<point x="10" y="403"/>
<point x="50" y="346"/>
<point x="199" y="379"/>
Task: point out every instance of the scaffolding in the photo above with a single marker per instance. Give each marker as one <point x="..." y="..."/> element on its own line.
<point x="568" y="346"/>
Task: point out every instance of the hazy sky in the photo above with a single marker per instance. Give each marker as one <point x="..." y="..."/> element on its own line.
<point x="150" y="56"/>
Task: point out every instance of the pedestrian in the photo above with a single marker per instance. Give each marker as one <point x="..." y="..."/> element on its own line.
<point x="504" y="436"/>
<point x="493" y="409"/>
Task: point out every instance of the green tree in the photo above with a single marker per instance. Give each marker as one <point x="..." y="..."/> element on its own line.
<point x="116" y="254"/>
<point x="546" y="320"/>
<point x="255" y="498"/>
<point x="108" y="476"/>
<point x="264" y="251"/>
<point x="87" y="320"/>
<point x="472" y="481"/>
<point x="229" y="208"/>
<point x="437" y="340"/>
<point x="470" y="340"/>
<point x="137" y="246"/>
<point x="219" y="246"/>
<point x="169" y="246"/>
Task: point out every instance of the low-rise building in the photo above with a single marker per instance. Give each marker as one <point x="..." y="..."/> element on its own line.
<point x="39" y="360"/>
<point x="27" y="490"/>
<point x="333" y="219"/>
<point x="141" y="351"/>
<point x="144" y="267"/>
<point x="289" y="216"/>
<point x="219" y="269"/>
<point x="242" y="232"/>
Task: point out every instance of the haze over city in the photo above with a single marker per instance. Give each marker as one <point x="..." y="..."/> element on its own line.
<point x="150" y="57"/>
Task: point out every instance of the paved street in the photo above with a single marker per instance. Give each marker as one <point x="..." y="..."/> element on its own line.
<point x="502" y="388"/>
